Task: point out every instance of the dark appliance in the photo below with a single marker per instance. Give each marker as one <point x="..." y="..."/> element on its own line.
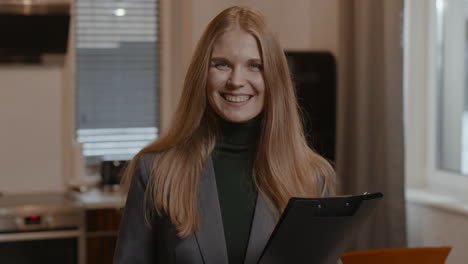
<point x="41" y="228"/>
<point x="32" y="28"/>
<point x="111" y="173"/>
<point x="314" y="75"/>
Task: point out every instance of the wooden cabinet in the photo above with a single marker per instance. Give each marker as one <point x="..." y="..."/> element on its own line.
<point x="102" y="226"/>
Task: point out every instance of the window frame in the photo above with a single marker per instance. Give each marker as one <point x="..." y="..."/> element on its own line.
<point x="421" y="104"/>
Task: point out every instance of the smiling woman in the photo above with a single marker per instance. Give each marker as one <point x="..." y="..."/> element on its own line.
<point x="235" y="81"/>
<point x="211" y="188"/>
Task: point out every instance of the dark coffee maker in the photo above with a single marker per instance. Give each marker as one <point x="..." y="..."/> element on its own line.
<point x="111" y="173"/>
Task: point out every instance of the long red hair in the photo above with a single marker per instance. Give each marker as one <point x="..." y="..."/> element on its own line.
<point x="284" y="165"/>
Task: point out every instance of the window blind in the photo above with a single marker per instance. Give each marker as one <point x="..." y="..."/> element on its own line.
<point x="116" y="77"/>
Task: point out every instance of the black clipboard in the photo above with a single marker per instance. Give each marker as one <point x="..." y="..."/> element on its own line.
<point x="317" y="230"/>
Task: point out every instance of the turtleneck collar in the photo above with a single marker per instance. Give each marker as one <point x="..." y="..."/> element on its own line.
<point x="238" y="136"/>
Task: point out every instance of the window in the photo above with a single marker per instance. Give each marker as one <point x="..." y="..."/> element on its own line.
<point x="451" y="85"/>
<point x="116" y="77"/>
<point x="436" y="95"/>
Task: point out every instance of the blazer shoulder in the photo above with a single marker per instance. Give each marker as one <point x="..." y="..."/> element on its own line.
<point x="145" y="161"/>
<point x="144" y="166"/>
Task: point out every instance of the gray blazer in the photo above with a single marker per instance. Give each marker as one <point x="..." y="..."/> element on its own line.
<point x="138" y="243"/>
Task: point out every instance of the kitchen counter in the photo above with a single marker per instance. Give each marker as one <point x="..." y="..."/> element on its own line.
<point x="98" y="199"/>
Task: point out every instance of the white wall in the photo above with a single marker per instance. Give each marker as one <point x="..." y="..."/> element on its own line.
<point x="30" y="133"/>
<point x="432" y="226"/>
<point x="300" y="24"/>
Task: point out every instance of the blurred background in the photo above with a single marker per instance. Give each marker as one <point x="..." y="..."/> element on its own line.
<point x="85" y="84"/>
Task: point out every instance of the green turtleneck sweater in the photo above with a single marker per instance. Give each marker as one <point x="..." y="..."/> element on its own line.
<point x="232" y="160"/>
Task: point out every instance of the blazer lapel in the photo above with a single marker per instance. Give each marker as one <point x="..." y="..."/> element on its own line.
<point x="210" y="234"/>
<point x="263" y="224"/>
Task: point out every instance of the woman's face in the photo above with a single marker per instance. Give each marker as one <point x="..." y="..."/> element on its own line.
<point x="236" y="89"/>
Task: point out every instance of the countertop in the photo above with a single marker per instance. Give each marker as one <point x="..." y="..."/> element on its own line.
<point x="98" y="199"/>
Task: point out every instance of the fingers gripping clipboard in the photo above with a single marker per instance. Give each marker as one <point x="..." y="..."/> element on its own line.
<point x="317" y="230"/>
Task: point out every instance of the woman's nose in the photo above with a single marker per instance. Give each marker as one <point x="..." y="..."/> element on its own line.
<point x="237" y="78"/>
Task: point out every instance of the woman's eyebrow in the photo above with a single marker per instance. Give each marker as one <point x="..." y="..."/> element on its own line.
<point x="222" y="59"/>
<point x="255" y="60"/>
<point x="219" y="59"/>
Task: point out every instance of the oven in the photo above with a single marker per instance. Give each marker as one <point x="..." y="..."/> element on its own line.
<point x="48" y="229"/>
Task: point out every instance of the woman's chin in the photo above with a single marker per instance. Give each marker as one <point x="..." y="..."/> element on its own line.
<point x="237" y="118"/>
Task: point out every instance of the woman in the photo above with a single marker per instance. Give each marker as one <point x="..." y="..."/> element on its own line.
<point x="211" y="188"/>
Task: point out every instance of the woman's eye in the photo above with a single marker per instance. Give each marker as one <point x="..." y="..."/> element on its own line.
<point x="256" y="66"/>
<point x="221" y="65"/>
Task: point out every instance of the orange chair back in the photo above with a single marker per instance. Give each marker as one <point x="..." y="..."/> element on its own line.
<point x="398" y="256"/>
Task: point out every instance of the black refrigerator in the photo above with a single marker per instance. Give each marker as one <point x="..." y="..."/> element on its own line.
<point x="314" y="76"/>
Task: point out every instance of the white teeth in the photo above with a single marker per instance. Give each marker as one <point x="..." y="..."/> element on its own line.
<point x="236" y="98"/>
